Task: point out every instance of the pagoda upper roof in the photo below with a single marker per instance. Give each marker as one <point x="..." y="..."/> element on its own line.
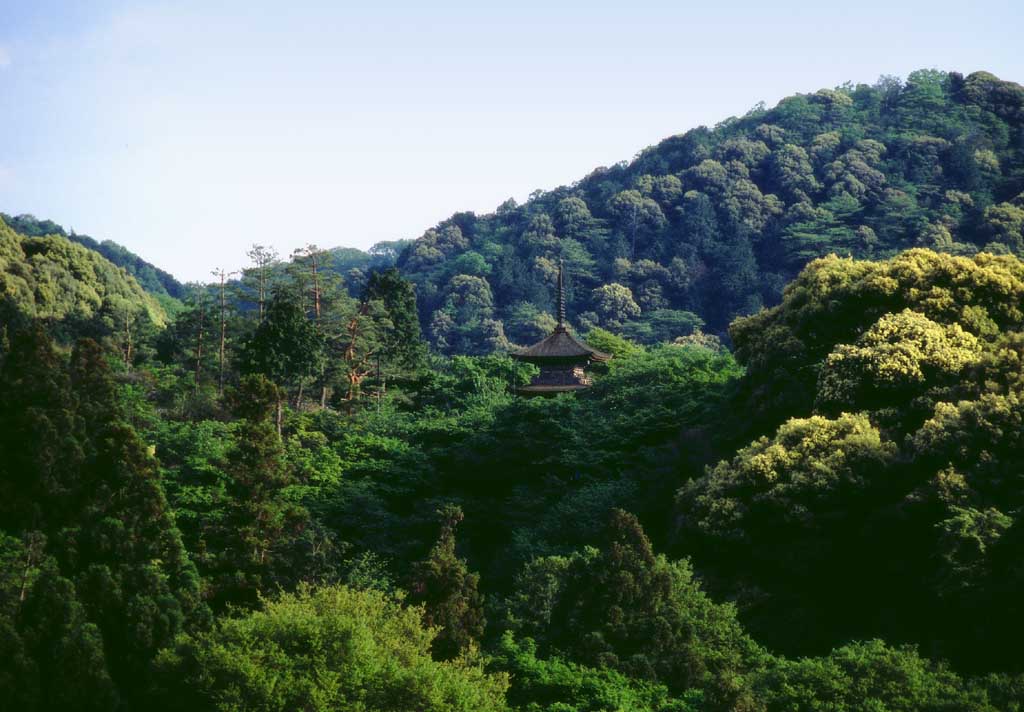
<point x="560" y="345"/>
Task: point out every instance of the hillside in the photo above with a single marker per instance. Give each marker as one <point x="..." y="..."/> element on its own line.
<point x="151" y="278"/>
<point x="54" y="279"/>
<point x="712" y="223"/>
<point x="830" y="518"/>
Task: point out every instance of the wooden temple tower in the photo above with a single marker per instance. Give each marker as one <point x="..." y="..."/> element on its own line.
<point x="560" y="357"/>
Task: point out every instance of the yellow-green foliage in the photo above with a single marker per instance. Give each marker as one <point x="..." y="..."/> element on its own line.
<point x="332" y="649"/>
<point x="847" y="321"/>
<point x="891" y="398"/>
<point x="54" y="278"/>
<point x="805" y="467"/>
<point x="839" y="297"/>
<point x="900" y="351"/>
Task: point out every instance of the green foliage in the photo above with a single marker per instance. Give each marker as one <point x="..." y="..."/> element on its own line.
<point x="888" y="496"/>
<point x="893" y="360"/>
<point x="286" y="347"/>
<point x="853" y="474"/>
<point x="609" y="343"/>
<point x="835" y="301"/>
<point x="866" y="676"/>
<point x="325" y="649"/>
<point x="713" y="223"/>
<point x="105" y="580"/>
<point x="448" y="591"/>
<point x="626" y="608"/>
<point x="806" y="474"/>
<point x="75" y="289"/>
<point x="153" y="279"/>
<point x="403" y="344"/>
<point x="559" y="685"/>
<point x="258" y="522"/>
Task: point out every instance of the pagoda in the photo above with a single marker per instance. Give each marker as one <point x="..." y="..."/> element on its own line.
<point x="560" y="357"/>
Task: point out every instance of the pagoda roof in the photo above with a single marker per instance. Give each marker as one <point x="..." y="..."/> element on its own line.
<point x="560" y="345"/>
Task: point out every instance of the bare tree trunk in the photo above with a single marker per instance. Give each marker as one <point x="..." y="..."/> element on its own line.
<point x="280" y="416"/>
<point x="223" y="328"/>
<point x="314" y="255"/>
<point x="128" y="339"/>
<point x="633" y="255"/>
<point x="34" y="549"/>
<point x="263" y="288"/>
<point x="262" y="257"/>
<point x="199" y="345"/>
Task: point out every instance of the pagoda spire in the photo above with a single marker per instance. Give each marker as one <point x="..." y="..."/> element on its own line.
<point x="560" y="357"/>
<point x="561" y="296"/>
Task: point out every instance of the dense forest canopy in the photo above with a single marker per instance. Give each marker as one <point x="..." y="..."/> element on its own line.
<point x="54" y="279"/>
<point x="153" y="279"/>
<point x="288" y="494"/>
<point x="713" y="223"/>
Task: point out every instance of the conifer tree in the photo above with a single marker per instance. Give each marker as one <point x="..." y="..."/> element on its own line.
<point x="286" y="348"/>
<point x="260" y="273"/>
<point x="403" y="343"/>
<point x="259" y="522"/>
<point x="448" y="590"/>
<point x="104" y="579"/>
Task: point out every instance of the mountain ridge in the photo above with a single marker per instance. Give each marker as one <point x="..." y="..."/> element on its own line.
<point x="150" y="277"/>
<point x="710" y="224"/>
<point x="58" y="280"/>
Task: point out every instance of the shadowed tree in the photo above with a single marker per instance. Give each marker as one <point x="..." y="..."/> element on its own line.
<point x="448" y="591"/>
<point x="287" y="348"/>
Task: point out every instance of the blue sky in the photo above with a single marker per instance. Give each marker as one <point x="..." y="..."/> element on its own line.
<point x="189" y="130"/>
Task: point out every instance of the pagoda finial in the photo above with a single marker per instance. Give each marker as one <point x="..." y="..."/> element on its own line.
<point x="561" y="296"/>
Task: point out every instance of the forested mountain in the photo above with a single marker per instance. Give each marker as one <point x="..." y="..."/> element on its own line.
<point x="153" y="279"/>
<point x="284" y="500"/>
<point x="268" y="527"/>
<point x="74" y="288"/>
<point x="712" y="223"/>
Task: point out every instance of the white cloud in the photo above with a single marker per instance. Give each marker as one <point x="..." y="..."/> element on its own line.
<point x="5" y="57"/>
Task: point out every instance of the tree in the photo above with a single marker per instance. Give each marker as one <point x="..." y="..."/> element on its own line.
<point x="366" y="335"/>
<point x="448" y="592"/>
<point x="898" y="358"/>
<point x="1004" y="224"/>
<point x="201" y="330"/>
<point x="558" y="684"/>
<point x="868" y="675"/>
<point x="626" y="608"/>
<point x="222" y="275"/>
<point x="263" y="258"/>
<point x="636" y="216"/>
<point x="286" y="347"/>
<point x="614" y="304"/>
<point x="404" y="346"/>
<point x="105" y="580"/>
<point x="321" y="650"/>
<point x="259" y="522"/>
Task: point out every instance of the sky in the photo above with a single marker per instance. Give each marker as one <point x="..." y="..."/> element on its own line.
<point x="190" y="130"/>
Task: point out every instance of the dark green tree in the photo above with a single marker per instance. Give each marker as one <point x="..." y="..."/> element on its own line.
<point x="448" y="591"/>
<point x="286" y="347"/>
<point x="260" y="525"/>
<point x="404" y="347"/>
